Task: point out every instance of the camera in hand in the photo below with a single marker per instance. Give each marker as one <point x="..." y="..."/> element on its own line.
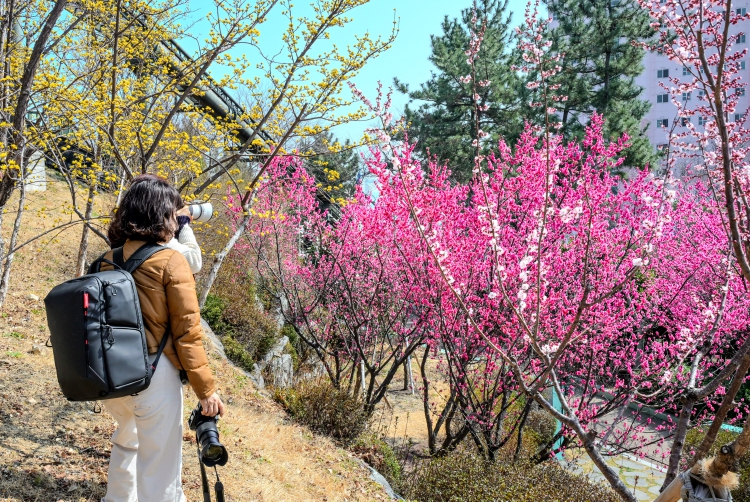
<point x="210" y="451"/>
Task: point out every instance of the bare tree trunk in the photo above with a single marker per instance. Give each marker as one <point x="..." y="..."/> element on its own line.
<point x="83" y="248"/>
<point x="721" y="413"/>
<point x="5" y="281"/>
<point x="568" y="417"/>
<point x="221" y="256"/>
<point x="406" y="375"/>
<point x="679" y="439"/>
<point x="730" y="453"/>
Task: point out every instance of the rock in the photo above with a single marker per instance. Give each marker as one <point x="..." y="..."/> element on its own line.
<point x="31" y="400"/>
<point x="213" y="338"/>
<point x="276" y="367"/>
<point x="257" y="377"/>
<point x="254" y="376"/>
<point x="36" y="349"/>
<point x="275" y="351"/>
<point x="261" y="367"/>
<point x="312" y="372"/>
<point x="379" y="479"/>
<point x="33" y="297"/>
<point x="281" y="371"/>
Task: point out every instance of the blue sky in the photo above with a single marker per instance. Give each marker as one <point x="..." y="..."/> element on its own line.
<point x="407" y="59"/>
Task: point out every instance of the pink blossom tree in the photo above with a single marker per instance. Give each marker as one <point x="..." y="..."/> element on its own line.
<point x="583" y="297"/>
<point x="351" y="290"/>
<point x="701" y="36"/>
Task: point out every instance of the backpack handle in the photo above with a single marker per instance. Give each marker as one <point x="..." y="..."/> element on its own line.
<point x="97" y="264"/>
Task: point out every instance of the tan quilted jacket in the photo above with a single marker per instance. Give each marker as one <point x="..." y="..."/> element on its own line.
<point x="166" y="290"/>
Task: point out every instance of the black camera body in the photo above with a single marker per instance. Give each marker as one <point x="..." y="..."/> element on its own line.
<point x="210" y="450"/>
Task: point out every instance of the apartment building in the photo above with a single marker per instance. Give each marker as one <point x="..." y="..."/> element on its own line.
<point x="658" y="69"/>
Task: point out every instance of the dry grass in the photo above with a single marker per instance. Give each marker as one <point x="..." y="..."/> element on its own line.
<point x="401" y="419"/>
<point x="51" y="449"/>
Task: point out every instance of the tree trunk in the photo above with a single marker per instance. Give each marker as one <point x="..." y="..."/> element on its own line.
<point x="567" y="417"/>
<point x="222" y="255"/>
<point x="730" y="453"/>
<point x="721" y="413"/>
<point x="84" y="246"/>
<point x="5" y="281"/>
<point x="679" y="440"/>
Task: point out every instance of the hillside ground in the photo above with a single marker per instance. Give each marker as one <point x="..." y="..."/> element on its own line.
<point x="52" y="449"/>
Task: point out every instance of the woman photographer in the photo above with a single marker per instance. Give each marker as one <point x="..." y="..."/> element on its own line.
<point x="146" y="460"/>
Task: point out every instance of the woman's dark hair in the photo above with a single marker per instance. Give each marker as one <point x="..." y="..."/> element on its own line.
<point x="146" y="212"/>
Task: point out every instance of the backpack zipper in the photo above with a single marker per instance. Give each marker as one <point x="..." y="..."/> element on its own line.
<point x="110" y="335"/>
<point x="113" y="291"/>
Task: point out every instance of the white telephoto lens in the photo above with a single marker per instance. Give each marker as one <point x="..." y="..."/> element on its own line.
<point x="201" y="212"/>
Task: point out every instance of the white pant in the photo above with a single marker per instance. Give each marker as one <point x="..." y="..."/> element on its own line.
<point x="146" y="460"/>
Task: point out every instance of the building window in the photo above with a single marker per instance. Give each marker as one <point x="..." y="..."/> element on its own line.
<point x="701" y="93"/>
<point x="742" y="11"/>
<point x="702" y="120"/>
<point x="741" y="38"/>
<point x="740" y="91"/>
<point x="662" y="147"/>
<point x="684" y="121"/>
<point x="662" y="73"/>
<point x="662" y="123"/>
<point x="662" y="98"/>
<point x="686" y="96"/>
<point x="738" y="116"/>
<point x="685" y="71"/>
<point x="742" y="65"/>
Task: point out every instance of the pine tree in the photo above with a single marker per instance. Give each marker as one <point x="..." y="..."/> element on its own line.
<point x="334" y="165"/>
<point x="599" y="69"/>
<point x="443" y="125"/>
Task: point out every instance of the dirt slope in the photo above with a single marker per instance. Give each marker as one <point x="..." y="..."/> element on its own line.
<point x="51" y="449"/>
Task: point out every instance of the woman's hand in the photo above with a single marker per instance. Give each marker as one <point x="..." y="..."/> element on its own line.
<point x="212" y="405"/>
<point x="185" y="211"/>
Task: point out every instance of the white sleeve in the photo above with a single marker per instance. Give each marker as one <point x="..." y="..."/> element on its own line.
<point x="188" y="246"/>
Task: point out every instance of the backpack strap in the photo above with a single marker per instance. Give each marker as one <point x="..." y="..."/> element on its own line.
<point x="135" y="260"/>
<point x="118" y="257"/>
<point x="162" y="344"/>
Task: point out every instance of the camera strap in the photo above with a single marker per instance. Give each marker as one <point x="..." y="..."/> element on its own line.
<point x="218" y="487"/>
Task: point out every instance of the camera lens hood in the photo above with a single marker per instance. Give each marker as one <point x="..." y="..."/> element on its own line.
<point x="212" y="452"/>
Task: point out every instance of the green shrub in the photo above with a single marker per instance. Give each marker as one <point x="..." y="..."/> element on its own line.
<point x="693" y="440"/>
<point x="462" y="476"/>
<point x="288" y="331"/>
<point x="325" y="410"/>
<point x="289" y="349"/>
<point x="237" y="354"/>
<point x="541" y="425"/>
<point x="265" y="342"/>
<point x="213" y="313"/>
<point x="379" y="455"/>
<point x="233" y="312"/>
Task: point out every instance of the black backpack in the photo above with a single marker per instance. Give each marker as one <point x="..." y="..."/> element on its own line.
<point x="97" y="331"/>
